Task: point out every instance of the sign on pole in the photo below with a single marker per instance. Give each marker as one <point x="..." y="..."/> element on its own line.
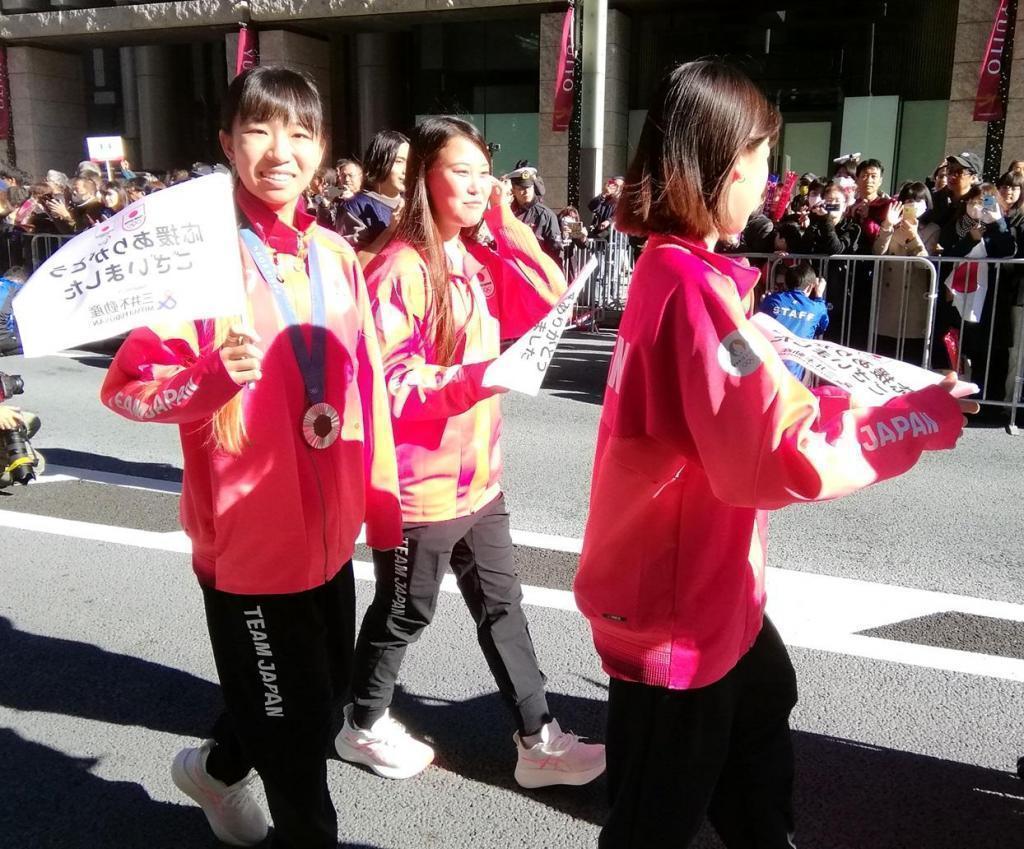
<point x="169" y="257"/>
<point x="105" y="148"/>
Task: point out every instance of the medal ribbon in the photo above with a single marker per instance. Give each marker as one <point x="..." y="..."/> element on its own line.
<point x="310" y="359"/>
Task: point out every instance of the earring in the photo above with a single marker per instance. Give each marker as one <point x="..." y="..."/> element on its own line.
<point x="741" y="179"/>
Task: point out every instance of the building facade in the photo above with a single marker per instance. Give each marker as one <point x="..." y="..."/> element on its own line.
<point x="894" y="80"/>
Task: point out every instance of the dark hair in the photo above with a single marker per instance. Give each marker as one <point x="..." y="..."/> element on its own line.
<point x="266" y="92"/>
<point x="380" y="156"/>
<point x="914" y="192"/>
<point x="801" y="276"/>
<point x="569" y="210"/>
<point x="870" y="163"/>
<point x="1011" y="179"/>
<point x="942" y="167"/>
<point x="705" y="115"/>
<point x="342" y="163"/>
<point x="789" y="231"/>
<point x="418" y="228"/>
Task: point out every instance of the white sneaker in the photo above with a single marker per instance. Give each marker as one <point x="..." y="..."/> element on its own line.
<point x="559" y="758"/>
<point x="386" y="747"/>
<point x="231" y="810"/>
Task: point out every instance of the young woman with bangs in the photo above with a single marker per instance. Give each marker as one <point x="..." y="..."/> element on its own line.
<point x="287" y="450"/>
<point x="703" y="430"/>
<point x="442" y="304"/>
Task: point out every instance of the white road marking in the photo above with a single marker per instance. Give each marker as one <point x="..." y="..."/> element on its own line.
<point x="811" y="611"/>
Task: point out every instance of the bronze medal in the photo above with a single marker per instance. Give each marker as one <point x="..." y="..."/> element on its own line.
<point x="321" y="426"/>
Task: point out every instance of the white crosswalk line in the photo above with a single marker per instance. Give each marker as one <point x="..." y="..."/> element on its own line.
<point x="819" y="612"/>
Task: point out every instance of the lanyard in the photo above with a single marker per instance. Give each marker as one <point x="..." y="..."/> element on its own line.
<point x="310" y="359"/>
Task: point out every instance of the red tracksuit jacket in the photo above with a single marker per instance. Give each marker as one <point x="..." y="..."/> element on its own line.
<point x="704" y="429"/>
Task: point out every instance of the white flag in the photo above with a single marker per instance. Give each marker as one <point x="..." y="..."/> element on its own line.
<point x="523" y="366"/>
<point x="171" y="256"/>
<point x="870" y="379"/>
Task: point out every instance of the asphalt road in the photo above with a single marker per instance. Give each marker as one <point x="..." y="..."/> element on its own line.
<point x="903" y="607"/>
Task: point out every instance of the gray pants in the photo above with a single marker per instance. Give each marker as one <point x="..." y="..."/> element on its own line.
<point x="479" y="550"/>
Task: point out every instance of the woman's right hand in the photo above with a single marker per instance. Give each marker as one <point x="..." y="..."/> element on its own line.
<point x="242" y="359"/>
<point x="951" y="383"/>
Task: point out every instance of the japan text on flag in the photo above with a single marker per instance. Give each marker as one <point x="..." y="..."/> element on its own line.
<point x="169" y="257"/>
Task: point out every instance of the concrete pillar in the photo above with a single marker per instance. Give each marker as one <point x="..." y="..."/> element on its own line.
<point x="553" y="148"/>
<point x="379" y="84"/>
<point x="159" y="121"/>
<point x="230" y="53"/>
<point x="974" y="23"/>
<point x="130" y="105"/>
<point x="309" y="55"/>
<point x="595" y="36"/>
<point x="48" y="108"/>
<point x="616" y="94"/>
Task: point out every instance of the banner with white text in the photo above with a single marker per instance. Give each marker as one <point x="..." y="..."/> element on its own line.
<point x="871" y="379"/>
<point x="170" y="257"/>
<point x="522" y="367"/>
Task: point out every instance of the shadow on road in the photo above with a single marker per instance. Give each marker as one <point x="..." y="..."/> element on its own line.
<point x="53" y="801"/>
<point x="579" y="371"/>
<point x="53" y="675"/>
<point x="103" y="463"/>
<point x="848" y="795"/>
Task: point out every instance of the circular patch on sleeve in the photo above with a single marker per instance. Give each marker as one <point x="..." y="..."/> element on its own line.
<point x="737" y="356"/>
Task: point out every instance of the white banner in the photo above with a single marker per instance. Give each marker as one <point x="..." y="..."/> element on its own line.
<point x="170" y="257"/>
<point x="870" y="379"/>
<point x="523" y="366"/>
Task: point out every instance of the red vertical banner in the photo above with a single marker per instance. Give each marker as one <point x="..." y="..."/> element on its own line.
<point x="990" y="103"/>
<point x="565" y="77"/>
<point x="5" y="97"/>
<point x="248" y="54"/>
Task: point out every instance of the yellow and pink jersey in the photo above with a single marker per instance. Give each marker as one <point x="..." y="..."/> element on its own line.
<point x="447" y="425"/>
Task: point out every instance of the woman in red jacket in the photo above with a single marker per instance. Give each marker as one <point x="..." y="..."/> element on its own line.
<point x="287" y="449"/>
<point x="703" y="429"/>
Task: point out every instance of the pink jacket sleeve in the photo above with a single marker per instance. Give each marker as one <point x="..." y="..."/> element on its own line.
<point x="527" y="282"/>
<point x="762" y="438"/>
<point x="159" y="376"/>
<point x="383" y="510"/>
<point x="418" y="387"/>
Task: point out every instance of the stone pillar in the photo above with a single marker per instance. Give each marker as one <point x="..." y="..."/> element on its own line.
<point x="616" y="94"/>
<point x="553" y="148"/>
<point x="159" y="120"/>
<point x="595" y="37"/>
<point x="974" y="23"/>
<point x="48" y="109"/>
<point x="309" y="55"/>
<point x="379" y="85"/>
<point x="130" y="105"/>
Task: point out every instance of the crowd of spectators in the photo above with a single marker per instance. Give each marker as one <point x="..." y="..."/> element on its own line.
<point x="951" y="215"/>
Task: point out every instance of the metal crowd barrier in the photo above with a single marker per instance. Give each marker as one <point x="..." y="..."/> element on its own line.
<point x="42" y="246"/>
<point x="605" y="292"/>
<point x="875" y="306"/>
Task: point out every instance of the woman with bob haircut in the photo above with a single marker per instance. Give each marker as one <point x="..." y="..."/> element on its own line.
<point x="443" y="302"/>
<point x="703" y="430"/>
<point x="287" y="450"/>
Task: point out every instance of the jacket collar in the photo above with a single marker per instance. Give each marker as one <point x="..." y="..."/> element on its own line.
<point x="271" y="230"/>
<point x="736" y="269"/>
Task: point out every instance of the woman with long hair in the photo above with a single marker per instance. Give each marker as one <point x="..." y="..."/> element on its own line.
<point x="703" y="430"/>
<point x="366" y="217"/>
<point x="287" y="450"/>
<point x="442" y="304"/>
